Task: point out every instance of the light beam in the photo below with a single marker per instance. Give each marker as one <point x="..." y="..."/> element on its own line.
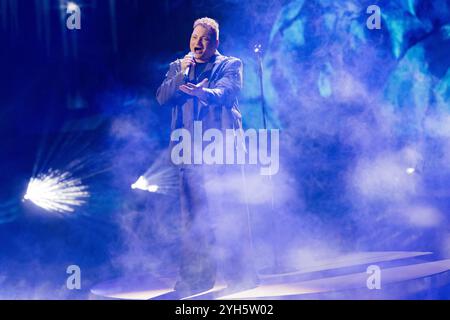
<point x="57" y="191"/>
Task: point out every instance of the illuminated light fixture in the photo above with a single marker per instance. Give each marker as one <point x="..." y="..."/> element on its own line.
<point x="56" y="191"/>
<point x="72" y="6"/>
<point x="143" y="184"/>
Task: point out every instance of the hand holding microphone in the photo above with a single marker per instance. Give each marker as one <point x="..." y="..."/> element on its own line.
<point x="186" y="64"/>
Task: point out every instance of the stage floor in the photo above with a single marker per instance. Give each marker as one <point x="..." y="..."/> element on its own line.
<point x="403" y="274"/>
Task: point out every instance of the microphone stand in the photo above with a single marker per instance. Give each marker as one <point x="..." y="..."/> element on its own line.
<point x="277" y="267"/>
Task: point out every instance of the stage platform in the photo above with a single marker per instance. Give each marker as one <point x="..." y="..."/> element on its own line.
<point x="404" y="275"/>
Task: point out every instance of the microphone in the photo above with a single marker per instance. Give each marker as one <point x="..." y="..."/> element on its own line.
<point x="188" y="69"/>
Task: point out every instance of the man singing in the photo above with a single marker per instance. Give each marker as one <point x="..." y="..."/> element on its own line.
<point x="204" y="86"/>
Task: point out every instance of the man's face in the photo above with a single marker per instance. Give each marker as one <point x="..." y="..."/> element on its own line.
<point x="203" y="44"/>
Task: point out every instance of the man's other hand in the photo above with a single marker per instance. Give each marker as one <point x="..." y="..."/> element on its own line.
<point x="196" y="90"/>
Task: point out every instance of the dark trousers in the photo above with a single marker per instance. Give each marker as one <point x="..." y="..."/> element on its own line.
<point x="215" y="224"/>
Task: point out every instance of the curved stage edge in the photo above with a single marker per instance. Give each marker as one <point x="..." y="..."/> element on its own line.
<point x="403" y="275"/>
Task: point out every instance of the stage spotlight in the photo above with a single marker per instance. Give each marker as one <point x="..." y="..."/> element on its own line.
<point x="143" y="184"/>
<point x="410" y="170"/>
<point x="72" y="6"/>
<point x="56" y="191"/>
<point x="160" y="177"/>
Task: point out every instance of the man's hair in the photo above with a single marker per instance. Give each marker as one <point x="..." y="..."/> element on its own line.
<point x="210" y="24"/>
